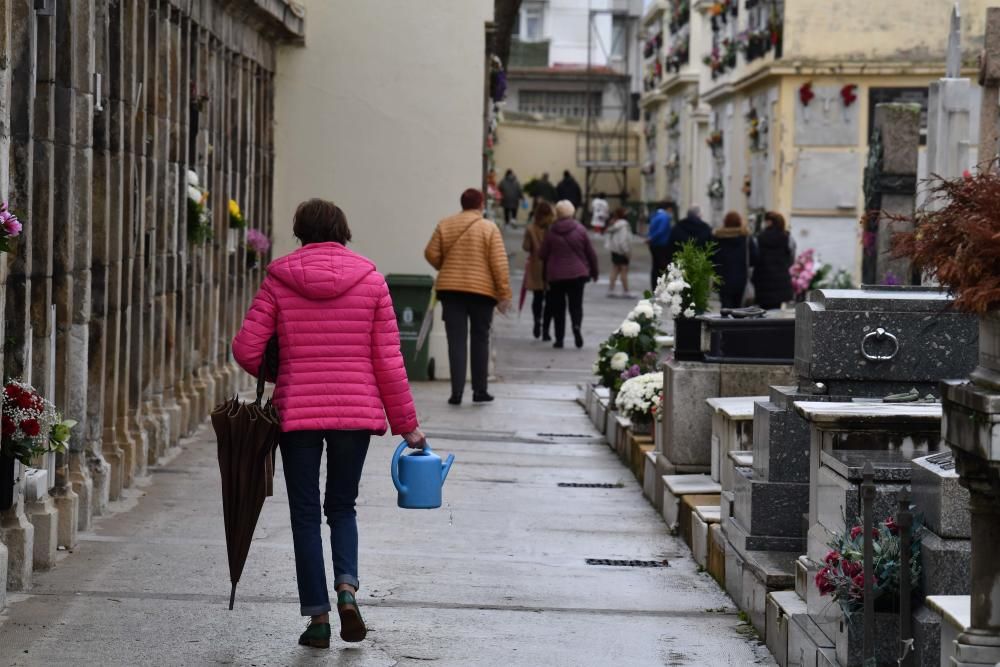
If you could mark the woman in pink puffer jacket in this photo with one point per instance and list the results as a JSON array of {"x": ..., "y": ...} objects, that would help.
[{"x": 340, "y": 375}]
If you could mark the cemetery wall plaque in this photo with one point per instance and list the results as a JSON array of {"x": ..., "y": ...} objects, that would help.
[
  {"x": 827, "y": 120},
  {"x": 827, "y": 181}
]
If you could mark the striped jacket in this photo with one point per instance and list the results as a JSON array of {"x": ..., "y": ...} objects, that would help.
[{"x": 468, "y": 252}]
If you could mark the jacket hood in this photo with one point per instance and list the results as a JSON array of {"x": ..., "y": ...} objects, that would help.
[
  {"x": 772, "y": 238},
  {"x": 321, "y": 270},
  {"x": 564, "y": 226},
  {"x": 730, "y": 232}
]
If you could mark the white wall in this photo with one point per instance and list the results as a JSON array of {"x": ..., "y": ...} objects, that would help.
[{"x": 382, "y": 112}]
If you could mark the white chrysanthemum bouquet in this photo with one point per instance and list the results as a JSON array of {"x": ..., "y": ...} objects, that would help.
[
  {"x": 641, "y": 398},
  {"x": 632, "y": 349}
]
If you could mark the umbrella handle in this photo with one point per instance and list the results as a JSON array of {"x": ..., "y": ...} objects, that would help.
[{"x": 232, "y": 598}]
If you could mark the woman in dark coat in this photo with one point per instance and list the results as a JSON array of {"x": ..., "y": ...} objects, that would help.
[
  {"x": 736, "y": 251},
  {"x": 771, "y": 279}
]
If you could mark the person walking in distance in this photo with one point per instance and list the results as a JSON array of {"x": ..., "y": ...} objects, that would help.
[
  {"x": 569, "y": 262},
  {"x": 340, "y": 374},
  {"x": 771, "y": 280},
  {"x": 618, "y": 240},
  {"x": 569, "y": 190},
  {"x": 511, "y": 196},
  {"x": 658, "y": 238},
  {"x": 473, "y": 279},
  {"x": 599, "y": 213},
  {"x": 691, "y": 228},
  {"x": 736, "y": 251},
  {"x": 534, "y": 277}
]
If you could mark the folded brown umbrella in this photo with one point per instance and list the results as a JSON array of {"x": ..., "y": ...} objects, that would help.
[{"x": 248, "y": 435}]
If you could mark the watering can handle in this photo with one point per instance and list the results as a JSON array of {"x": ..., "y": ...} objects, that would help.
[{"x": 395, "y": 467}]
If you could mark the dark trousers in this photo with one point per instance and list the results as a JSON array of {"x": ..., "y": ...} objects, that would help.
[
  {"x": 661, "y": 260},
  {"x": 301, "y": 453},
  {"x": 509, "y": 214},
  {"x": 541, "y": 308},
  {"x": 732, "y": 298},
  {"x": 561, "y": 294},
  {"x": 461, "y": 312}
]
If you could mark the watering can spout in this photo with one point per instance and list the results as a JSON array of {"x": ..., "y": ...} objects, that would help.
[{"x": 446, "y": 466}]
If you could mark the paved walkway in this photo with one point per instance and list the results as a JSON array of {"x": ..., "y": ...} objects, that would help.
[{"x": 496, "y": 577}]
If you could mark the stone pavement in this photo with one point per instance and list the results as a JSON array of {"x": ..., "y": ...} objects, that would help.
[{"x": 496, "y": 577}]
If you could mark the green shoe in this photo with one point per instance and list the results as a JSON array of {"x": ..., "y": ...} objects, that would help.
[
  {"x": 352, "y": 626},
  {"x": 316, "y": 635}
]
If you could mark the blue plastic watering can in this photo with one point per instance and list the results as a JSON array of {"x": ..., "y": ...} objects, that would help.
[{"x": 418, "y": 477}]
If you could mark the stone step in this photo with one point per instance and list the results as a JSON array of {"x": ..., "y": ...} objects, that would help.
[
  {"x": 717, "y": 554},
  {"x": 688, "y": 505},
  {"x": 676, "y": 487},
  {"x": 781, "y": 607},
  {"x": 806, "y": 643},
  {"x": 649, "y": 477}
]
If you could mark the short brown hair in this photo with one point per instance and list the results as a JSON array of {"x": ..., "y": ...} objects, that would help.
[
  {"x": 545, "y": 215},
  {"x": 472, "y": 200},
  {"x": 777, "y": 220},
  {"x": 320, "y": 221},
  {"x": 732, "y": 219}
]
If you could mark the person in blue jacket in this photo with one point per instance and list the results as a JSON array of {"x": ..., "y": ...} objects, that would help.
[{"x": 658, "y": 238}]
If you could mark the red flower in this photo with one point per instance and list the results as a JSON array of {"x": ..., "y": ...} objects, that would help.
[
  {"x": 30, "y": 427},
  {"x": 851, "y": 568},
  {"x": 832, "y": 558},
  {"x": 8, "y": 426},
  {"x": 891, "y": 526},
  {"x": 25, "y": 401},
  {"x": 848, "y": 95},
  {"x": 823, "y": 582},
  {"x": 13, "y": 391},
  {"x": 967, "y": 175},
  {"x": 806, "y": 93},
  {"x": 856, "y": 532}
]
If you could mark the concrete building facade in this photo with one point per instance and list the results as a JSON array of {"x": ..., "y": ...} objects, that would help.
[
  {"x": 113, "y": 308},
  {"x": 754, "y": 105}
]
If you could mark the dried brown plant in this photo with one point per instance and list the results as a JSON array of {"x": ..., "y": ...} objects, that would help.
[{"x": 956, "y": 238}]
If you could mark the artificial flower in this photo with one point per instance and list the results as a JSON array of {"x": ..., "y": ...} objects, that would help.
[
  {"x": 630, "y": 329},
  {"x": 619, "y": 361}
]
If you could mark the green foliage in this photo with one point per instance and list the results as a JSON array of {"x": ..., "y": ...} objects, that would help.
[
  {"x": 696, "y": 262},
  {"x": 199, "y": 223}
]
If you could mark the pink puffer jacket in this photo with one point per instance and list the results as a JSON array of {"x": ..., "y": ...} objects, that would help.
[{"x": 340, "y": 363}]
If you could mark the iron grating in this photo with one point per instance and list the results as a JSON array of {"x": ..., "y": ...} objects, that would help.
[
  {"x": 590, "y": 485},
  {"x": 614, "y": 562}
]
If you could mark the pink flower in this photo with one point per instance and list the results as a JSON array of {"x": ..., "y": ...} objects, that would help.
[{"x": 11, "y": 225}]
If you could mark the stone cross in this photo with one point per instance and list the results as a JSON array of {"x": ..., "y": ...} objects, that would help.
[
  {"x": 952, "y": 115},
  {"x": 890, "y": 188},
  {"x": 953, "y": 66},
  {"x": 989, "y": 80}
]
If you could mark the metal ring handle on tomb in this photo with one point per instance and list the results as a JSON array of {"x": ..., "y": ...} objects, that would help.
[{"x": 880, "y": 334}]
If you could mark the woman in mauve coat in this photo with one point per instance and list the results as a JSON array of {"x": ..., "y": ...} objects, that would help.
[
  {"x": 570, "y": 261},
  {"x": 340, "y": 375}
]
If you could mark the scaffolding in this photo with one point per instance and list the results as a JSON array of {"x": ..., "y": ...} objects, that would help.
[{"x": 606, "y": 146}]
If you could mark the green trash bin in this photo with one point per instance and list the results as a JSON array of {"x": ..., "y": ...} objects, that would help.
[{"x": 411, "y": 298}]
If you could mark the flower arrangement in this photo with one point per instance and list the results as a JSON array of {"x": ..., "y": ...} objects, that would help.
[
  {"x": 680, "y": 16},
  {"x": 10, "y": 227},
  {"x": 849, "y": 94},
  {"x": 30, "y": 424},
  {"x": 842, "y": 575},
  {"x": 198, "y": 214},
  {"x": 632, "y": 348},
  {"x": 806, "y": 93},
  {"x": 257, "y": 246},
  {"x": 648, "y": 169},
  {"x": 809, "y": 273},
  {"x": 714, "y": 140},
  {"x": 679, "y": 54},
  {"x": 236, "y": 219},
  {"x": 688, "y": 283},
  {"x": 722, "y": 57},
  {"x": 955, "y": 239},
  {"x": 673, "y": 162},
  {"x": 716, "y": 189},
  {"x": 641, "y": 397},
  {"x": 673, "y": 120}
]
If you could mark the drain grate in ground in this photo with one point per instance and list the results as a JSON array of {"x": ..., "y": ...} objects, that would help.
[
  {"x": 566, "y": 435},
  {"x": 590, "y": 485},
  {"x": 614, "y": 562}
]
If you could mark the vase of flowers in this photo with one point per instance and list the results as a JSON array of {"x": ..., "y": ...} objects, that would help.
[
  {"x": 199, "y": 217},
  {"x": 685, "y": 290},
  {"x": 257, "y": 246},
  {"x": 31, "y": 426},
  {"x": 631, "y": 349},
  {"x": 10, "y": 227},
  {"x": 640, "y": 399}
]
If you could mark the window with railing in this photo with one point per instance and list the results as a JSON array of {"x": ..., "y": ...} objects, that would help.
[{"x": 564, "y": 104}]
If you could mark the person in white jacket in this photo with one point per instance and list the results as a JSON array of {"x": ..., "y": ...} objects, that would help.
[{"x": 618, "y": 240}]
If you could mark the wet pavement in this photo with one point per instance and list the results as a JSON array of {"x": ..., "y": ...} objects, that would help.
[{"x": 498, "y": 576}]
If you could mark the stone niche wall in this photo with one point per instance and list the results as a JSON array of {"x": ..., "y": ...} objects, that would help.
[{"x": 110, "y": 309}]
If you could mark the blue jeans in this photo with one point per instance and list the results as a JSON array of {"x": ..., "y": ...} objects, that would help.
[{"x": 301, "y": 452}]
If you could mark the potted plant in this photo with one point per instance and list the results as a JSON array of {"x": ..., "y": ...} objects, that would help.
[
  {"x": 842, "y": 577},
  {"x": 31, "y": 427},
  {"x": 640, "y": 399},
  {"x": 685, "y": 290}
]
